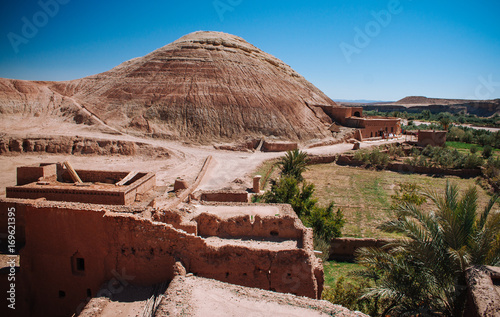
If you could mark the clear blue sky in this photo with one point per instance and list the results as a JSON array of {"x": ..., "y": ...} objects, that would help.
[{"x": 448, "y": 49}]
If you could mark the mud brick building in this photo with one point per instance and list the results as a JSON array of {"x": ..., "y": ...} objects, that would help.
[{"x": 77, "y": 238}]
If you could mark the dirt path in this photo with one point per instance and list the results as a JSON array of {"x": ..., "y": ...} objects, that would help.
[{"x": 185, "y": 161}]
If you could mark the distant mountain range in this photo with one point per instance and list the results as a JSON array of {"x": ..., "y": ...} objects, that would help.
[
  {"x": 360, "y": 101},
  {"x": 483, "y": 108}
]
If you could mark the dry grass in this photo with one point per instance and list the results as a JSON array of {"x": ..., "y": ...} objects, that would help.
[{"x": 365, "y": 195}]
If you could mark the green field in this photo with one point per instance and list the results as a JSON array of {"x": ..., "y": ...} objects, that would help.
[
  {"x": 364, "y": 195},
  {"x": 465, "y": 147},
  {"x": 334, "y": 270}
]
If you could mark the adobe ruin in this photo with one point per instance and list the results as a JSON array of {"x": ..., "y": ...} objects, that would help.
[
  {"x": 369, "y": 127},
  {"x": 78, "y": 239},
  {"x": 54, "y": 182},
  {"x": 431, "y": 137}
]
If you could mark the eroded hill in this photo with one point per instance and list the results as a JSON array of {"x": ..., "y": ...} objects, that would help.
[{"x": 203, "y": 87}]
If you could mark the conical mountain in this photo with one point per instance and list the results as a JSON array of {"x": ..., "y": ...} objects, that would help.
[{"x": 205, "y": 86}]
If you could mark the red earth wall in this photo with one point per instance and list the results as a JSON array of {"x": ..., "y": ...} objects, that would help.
[
  {"x": 144, "y": 252},
  {"x": 225, "y": 196}
]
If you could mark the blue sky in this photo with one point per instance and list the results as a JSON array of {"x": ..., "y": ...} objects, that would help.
[{"x": 352, "y": 49}]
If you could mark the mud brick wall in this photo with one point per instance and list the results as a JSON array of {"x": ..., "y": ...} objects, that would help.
[
  {"x": 285, "y": 227},
  {"x": 89, "y": 176},
  {"x": 278, "y": 146},
  {"x": 145, "y": 252},
  {"x": 69, "y": 195},
  {"x": 174, "y": 218},
  {"x": 321, "y": 159},
  {"x": 225, "y": 196},
  {"x": 433, "y": 138},
  {"x": 140, "y": 186},
  {"x": 344, "y": 249},
  {"x": 77, "y": 146},
  {"x": 372, "y": 127},
  {"x": 482, "y": 299},
  {"x": 30, "y": 174}
]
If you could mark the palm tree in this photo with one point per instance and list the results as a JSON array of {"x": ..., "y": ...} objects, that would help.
[
  {"x": 445, "y": 122},
  {"x": 293, "y": 164},
  {"x": 424, "y": 273}
]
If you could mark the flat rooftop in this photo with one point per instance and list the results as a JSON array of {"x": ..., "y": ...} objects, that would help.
[
  {"x": 197, "y": 296},
  {"x": 224, "y": 211}
]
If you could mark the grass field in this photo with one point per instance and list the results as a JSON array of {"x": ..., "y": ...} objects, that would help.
[
  {"x": 465, "y": 148},
  {"x": 365, "y": 195},
  {"x": 334, "y": 270}
]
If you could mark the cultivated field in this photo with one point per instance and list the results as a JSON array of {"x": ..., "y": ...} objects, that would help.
[{"x": 365, "y": 195}]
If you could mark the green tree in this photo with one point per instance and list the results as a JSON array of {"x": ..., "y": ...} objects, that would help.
[
  {"x": 426, "y": 114},
  {"x": 424, "y": 274},
  {"x": 292, "y": 189},
  {"x": 293, "y": 164},
  {"x": 287, "y": 190},
  {"x": 487, "y": 151},
  {"x": 445, "y": 123},
  {"x": 326, "y": 223}
]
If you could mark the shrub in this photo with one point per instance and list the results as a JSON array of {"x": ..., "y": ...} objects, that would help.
[
  {"x": 472, "y": 161},
  {"x": 349, "y": 295},
  {"x": 395, "y": 151},
  {"x": 455, "y": 134},
  {"x": 288, "y": 191},
  {"x": 325, "y": 223},
  {"x": 487, "y": 151},
  {"x": 409, "y": 193},
  {"x": 322, "y": 246},
  {"x": 373, "y": 157},
  {"x": 473, "y": 149},
  {"x": 485, "y": 139},
  {"x": 468, "y": 137}
]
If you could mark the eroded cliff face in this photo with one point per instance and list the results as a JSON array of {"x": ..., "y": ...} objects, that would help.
[{"x": 205, "y": 86}]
